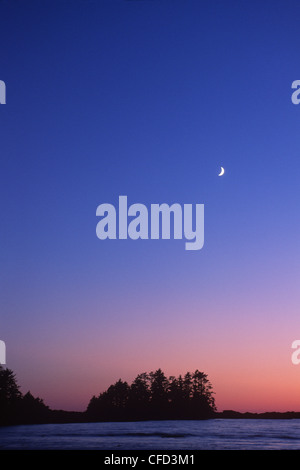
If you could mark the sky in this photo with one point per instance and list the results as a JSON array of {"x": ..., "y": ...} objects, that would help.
[{"x": 149, "y": 98}]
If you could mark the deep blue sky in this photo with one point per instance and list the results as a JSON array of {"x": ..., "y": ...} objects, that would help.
[{"x": 147, "y": 99}]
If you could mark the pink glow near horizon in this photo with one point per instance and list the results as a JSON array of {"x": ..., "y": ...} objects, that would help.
[{"x": 247, "y": 357}]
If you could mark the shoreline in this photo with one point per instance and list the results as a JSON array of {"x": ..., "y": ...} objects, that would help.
[{"x": 77, "y": 417}]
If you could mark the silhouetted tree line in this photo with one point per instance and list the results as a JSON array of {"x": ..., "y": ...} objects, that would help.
[
  {"x": 154, "y": 396},
  {"x": 16, "y": 408},
  {"x": 150, "y": 396}
]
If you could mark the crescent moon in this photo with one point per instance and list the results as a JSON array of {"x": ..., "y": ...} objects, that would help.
[{"x": 221, "y": 172}]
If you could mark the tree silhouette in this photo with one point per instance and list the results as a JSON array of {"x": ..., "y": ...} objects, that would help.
[
  {"x": 10, "y": 396},
  {"x": 34, "y": 410},
  {"x": 202, "y": 398},
  {"x": 9, "y": 389},
  {"x": 16, "y": 408},
  {"x": 187, "y": 386},
  {"x": 176, "y": 395},
  {"x": 159, "y": 396},
  {"x": 154, "y": 396},
  {"x": 139, "y": 396},
  {"x": 111, "y": 404},
  {"x": 150, "y": 396}
]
